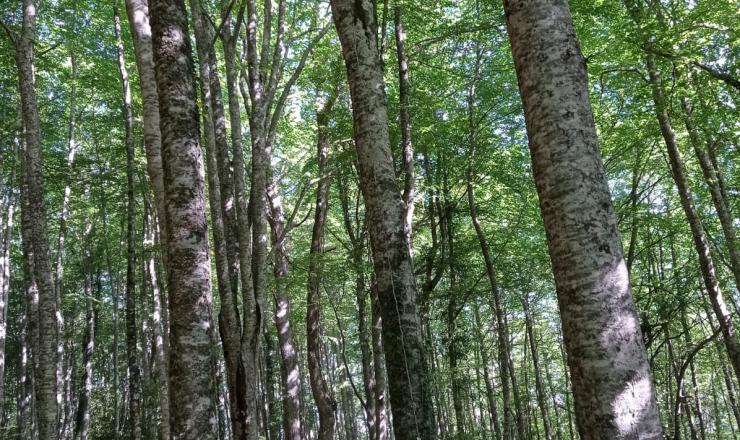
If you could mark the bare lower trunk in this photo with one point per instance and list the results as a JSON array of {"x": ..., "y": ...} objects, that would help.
[
  {"x": 600, "y": 323},
  {"x": 322, "y": 394},
  {"x": 539, "y": 384},
  {"x": 82, "y": 419},
  {"x": 134, "y": 373},
  {"x": 410, "y": 390},
  {"x": 192, "y": 386},
  {"x": 34, "y": 234},
  {"x": 701, "y": 244},
  {"x": 290, "y": 373},
  {"x": 382, "y": 424},
  {"x": 138, "y": 18}
]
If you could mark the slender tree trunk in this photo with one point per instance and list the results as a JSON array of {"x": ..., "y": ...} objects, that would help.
[
  {"x": 701, "y": 244},
  {"x": 501, "y": 330},
  {"x": 192, "y": 387},
  {"x": 7, "y": 211},
  {"x": 541, "y": 396},
  {"x": 82, "y": 418},
  {"x": 488, "y": 379},
  {"x": 591, "y": 278},
  {"x": 322, "y": 394},
  {"x": 34, "y": 234},
  {"x": 221, "y": 202},
  {"x": 134, "y": 373},
  {"x": 410, "y": 390},
  {"x": 407, "y": 148},
  {"x": 382, "y": 423},
  {"x": 289, "y": 366}
]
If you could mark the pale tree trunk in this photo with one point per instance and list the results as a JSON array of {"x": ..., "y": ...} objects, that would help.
[
  {"x": 7, "y": 211},
  {"x": 407, "y": 148},
  {"x": 614, "y": 393},
  {"x": 713, "y": 178},
  {"x": 539, "y": 384},
  {"x": 82, "y": 417},
  {"x": 138, "y": 18},
  {"x": 488, "y": 378},
  {"x": 215, "y": 140},
  {"x": 357, "y": 238},
  {"x": 325, "y": 401},
  {"x": 382, "y": 422},
  {"x": 410, "y": 390},
  {"x": 701, "y": 244},
  {"x": 501, "y": 328},
  {"x": 34, "y": 234},
  {"x": 59, "y": 258},
  {"x": 134, "y": 374},
  {"x": 264, "y": 71},
  {"x": 192, "y": 385},
  {"x": 289, "y": 365}
]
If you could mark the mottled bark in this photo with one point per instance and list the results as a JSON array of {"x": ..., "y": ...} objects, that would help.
[
  {"x": 539, "y": 384},
  {"x": 614, "y": 393},
  {"x": 322, "y": 394},
  {"x": 289, "y": 365},
  {"x": 382, "y": 422},
  {"x": 138, "y": 19},
  {"x": 221, "y": 202},
  {"x": 410, "y": 390},
  {"x": 404, "y": 113},
  {"x": 495, "y": 300},
  {"x": 7, "y": 211},
  {"x": 701, "y": 244},
  {"x": 192, "y": 386},
  {"x": 82, "y": 417},
  {"x": 713, "y": 179},
  {"x": 34, "y": 235},
  {"x": 132, "y": 352}
]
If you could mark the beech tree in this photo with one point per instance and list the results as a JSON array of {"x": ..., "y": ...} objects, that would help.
[{"x": 368, "y": 219}]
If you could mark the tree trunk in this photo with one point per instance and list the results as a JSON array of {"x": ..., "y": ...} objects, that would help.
[
  {"x": 701, "y": 244},
  {"x": 407, "y": 148},
  {"x": 289, "y": 366},
  {"x": 34, "y": 234},
  {"x": 7, "y": 211},
  {"x": 322, "y": 394},
  {"x": 82, "y": 418},
  {"x": 134, "y": 373},
  {"x": 192, "y": 387},
  {"x": 540, "y": 386},
  {"x": 221, "y": 202},
  {"x": 488, "y": 378},
  {"x": 138, "y": 18},
  {"x": 600, "y": 323},
  {"x": 410, "y": 390}
]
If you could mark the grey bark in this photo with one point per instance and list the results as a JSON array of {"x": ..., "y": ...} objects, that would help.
[
  {"x": 138, "y": 19},
  {"x": 539, "y": 384},
  {"x": 410, "y": 390},
  {"x": 34, "y": 233},
  {"x": 701, "y": 244},
  {"x": 407, "y": 148},
  {"x": 614, "y": 393},
  {"x": 325, "y": 401},
  {"x": 192, "y": 386},
  {"x": 221, "y": 202},
  {"x": 132, "y": 352}
]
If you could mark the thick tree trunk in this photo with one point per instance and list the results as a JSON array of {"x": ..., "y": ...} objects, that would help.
[
  {"x": 138, "y": 18},
  {"x": 600, "y": 323},
  {"x": 192, "y": 386},
  {"x": 410, "y": 390},
  {"x": 701, "y": 244},
  {"x": 221, "y": 202},
  {"x": 34, "y": 234},
  {"x": 134, "y": 373},
  {"x": 322, "y": 394}
]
